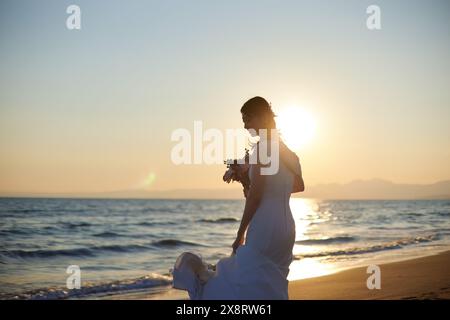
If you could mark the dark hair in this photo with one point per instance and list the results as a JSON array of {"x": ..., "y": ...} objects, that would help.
[{"x": 258, "y": 106}]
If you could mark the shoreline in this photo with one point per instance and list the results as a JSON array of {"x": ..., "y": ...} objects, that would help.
[{"x": 425, "y": 277}]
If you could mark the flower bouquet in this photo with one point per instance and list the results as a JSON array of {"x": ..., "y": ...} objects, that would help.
[{"x": 238, "y": 171}]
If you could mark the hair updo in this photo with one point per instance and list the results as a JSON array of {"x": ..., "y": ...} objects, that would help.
[{"x": 259, "y": 107}]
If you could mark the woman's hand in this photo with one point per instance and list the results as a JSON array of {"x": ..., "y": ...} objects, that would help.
[
  {"x": 237, "y": 243},
  {"x": 229, "y": 175}
]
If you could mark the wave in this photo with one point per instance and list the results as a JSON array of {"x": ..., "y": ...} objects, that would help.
[
  {"x": 220, "y": 220},
  {"x": 95, "y": 250},
  {"x": 158, "y": 210},
  {"x": 442, "y": 214},
  {"x": 152, "y": 224},
  {"x": 108, "y": 234},
  {"x": 369, "y": 249},
  {"x": 75, "y": 252},
  {"x": 393, "y": 228},
  {"x": 341, "y": 239},
  {"x": 78, "y": 252},
  {"x": 412, "y": 214},
  {"x": 24, "y": 211},
  {"x": 15, "y": 232},
  {"x": 73, "y": 225},
  {"x": 147, "y": 282},
  {"x": 41, "y": 212},
  {"x": 175, "y": 243}
]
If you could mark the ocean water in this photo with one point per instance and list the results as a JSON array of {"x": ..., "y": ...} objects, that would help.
[{"x": 125, "y": 245}]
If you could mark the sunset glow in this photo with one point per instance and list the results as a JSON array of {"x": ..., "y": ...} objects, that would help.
[{"x": 297, "y": 127}]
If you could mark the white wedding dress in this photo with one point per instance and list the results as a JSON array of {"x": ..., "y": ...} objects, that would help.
[{"x": 260, "y": 267}]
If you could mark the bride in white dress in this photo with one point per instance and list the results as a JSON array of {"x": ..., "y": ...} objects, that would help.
[{"x": 262, "y": 251}]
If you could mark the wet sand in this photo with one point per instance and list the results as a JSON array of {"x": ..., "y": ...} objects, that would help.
[{"x": 421, "y": 278}]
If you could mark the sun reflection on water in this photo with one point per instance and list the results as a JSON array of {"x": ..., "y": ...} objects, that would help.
[
  {"x": 302, "y": 210},
  {"x": 307, "y": 213}
]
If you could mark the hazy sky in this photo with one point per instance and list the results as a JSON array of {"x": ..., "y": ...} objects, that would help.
[{"x": 93, "y": 109}]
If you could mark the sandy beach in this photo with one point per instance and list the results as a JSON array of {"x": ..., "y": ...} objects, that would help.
[{"x": 422, "y": 278}]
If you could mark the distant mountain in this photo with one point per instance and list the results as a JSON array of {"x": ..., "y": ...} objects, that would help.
[
  {"x": 358, "y": 189},
  {"x": 379, "y": 189}
]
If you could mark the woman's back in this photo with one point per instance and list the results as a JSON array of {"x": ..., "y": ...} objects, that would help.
[
  {"x": 278, "y": 186},
  {"x": 272, "y": 229}
]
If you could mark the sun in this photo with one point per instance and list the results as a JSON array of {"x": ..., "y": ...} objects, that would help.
[{"x": 297, "y": 127}]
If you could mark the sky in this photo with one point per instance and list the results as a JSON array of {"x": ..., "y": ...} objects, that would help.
[{"x": 93, "y": 110}]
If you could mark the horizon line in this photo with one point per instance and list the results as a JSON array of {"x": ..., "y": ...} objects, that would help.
[{"x": 209, "y": 189}]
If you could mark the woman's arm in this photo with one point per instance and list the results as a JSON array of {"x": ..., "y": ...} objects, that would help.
[
  {"x": 251, "y": 203},
  {"x": 299, "y": 184},
  {"x": 292, "y": 161}
]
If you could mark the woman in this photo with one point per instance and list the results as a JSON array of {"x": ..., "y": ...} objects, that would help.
[{"x": 262, "y": 251}]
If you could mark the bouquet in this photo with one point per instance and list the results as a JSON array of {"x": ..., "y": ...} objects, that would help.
[{"x": 238, "y": 172}]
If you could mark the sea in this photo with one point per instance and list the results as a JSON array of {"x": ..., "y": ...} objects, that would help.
[{"x": 122, "y": 246}]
